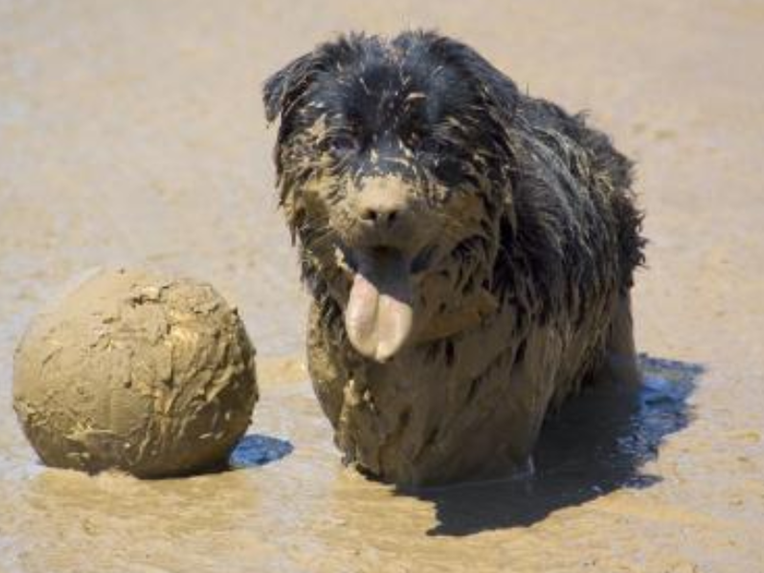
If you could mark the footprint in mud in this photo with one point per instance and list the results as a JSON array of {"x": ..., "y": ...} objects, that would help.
[{"x": 595, "y": 445}]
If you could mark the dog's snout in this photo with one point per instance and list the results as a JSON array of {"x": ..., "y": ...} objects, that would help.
[
  {"x": 383, "y": 203},
  {"x": 384, "y": 213},
  {"x": 381, "y": 214}
]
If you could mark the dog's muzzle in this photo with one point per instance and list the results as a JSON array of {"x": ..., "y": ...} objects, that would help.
[{"x": 379, "y": 313}]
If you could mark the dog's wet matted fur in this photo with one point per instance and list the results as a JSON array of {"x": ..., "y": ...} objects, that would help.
[{"x": 469, "y": 251}]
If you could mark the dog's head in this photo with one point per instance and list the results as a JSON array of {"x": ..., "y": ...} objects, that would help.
[{"x": 393, "y": 162}]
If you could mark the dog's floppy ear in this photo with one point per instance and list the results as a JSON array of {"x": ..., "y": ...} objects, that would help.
[
  {"x": 497, "y": 87},
  {"x": 285, "y": 86}
]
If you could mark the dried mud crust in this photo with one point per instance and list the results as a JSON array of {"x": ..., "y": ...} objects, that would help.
[{"x": 149, "y": 374}]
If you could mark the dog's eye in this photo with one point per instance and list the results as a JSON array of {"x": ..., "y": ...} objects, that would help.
[{"x": 341, "y": 144}]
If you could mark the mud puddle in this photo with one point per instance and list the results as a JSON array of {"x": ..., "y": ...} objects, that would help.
[{"x": 288, "y": 504}]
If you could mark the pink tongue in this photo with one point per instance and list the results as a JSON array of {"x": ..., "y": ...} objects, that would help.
[{"x": 379, "y": 316}]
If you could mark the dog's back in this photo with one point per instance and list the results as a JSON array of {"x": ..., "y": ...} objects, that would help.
[{"x": 579, "y": 228}]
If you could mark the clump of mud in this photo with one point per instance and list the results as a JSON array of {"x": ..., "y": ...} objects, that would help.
[{"x": 136, "y": 371}]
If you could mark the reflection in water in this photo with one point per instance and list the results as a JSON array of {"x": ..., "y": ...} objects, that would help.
[
  {"x": 596, "y": 444},
  {"x": 258, "y": 450}
]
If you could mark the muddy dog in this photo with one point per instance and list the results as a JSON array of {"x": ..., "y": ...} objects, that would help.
[{"x": 469, "y": 251}]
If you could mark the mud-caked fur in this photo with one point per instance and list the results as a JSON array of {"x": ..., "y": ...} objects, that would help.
[{"x": 523, "y": 238}]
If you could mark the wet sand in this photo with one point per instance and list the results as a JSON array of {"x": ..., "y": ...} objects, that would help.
[{"x": 133, "y": 133}]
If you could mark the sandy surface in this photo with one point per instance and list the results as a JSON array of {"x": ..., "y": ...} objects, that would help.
[{"x": 132, "y": 132}]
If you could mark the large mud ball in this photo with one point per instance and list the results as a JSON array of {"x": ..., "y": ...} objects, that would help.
[{"x": 136, "y": 371}]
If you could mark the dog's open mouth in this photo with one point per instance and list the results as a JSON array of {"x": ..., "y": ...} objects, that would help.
[{"x": 379, "y": 314}]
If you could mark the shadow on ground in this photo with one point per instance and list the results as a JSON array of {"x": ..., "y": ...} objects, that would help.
[
  {"x": 258, "y": 450},
  {"x": 595, "y": 445}
]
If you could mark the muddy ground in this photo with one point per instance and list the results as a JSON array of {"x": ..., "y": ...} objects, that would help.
[{"x": 132, "y": 133}]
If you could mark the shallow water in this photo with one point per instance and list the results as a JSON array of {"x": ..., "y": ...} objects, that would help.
[
  {"x": 288, "y": 502},
  {"x": 132, "y": 133}
]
